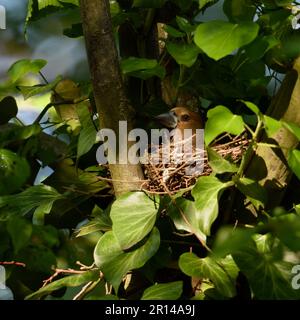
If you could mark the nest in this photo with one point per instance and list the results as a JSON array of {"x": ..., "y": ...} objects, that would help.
[{"x": 173, "y": 176}]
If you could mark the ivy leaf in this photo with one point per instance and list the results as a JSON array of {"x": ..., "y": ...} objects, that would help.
[
  {"x": 87, "y": 137},
  {"x": 203, "y": 3},
  {"x": 164, "y": 291},
  {"x": 239, "y": 10},
  {"x": 133, "y": 216},
  {"x": 251, "y": 106},
  {"x": 183, "y": 53},
  {"x": 115, "y": 263},
  {"x": 271, "y": 125},
  {"x": 212, "y": 269},
  {"x": 184, "y": 25},
  {"x": 184, "y": 216},
  {"x": 173, "y": 32},
  {"x": 219, "y": 38},
  {"x": 142, "y": 68},
  {"x": 206, "y": 193},
  {"x": 8, "y": 109},
  {"x": 35, "y": 197},
  {"x": 20, "y": 231},
  {"x": 294, "y": 161},
  {"x": 221, "y": 119},
  {"x": 22, "y": 67},
  {"x": 253, "y": 191},
  {"x": 30, "y": 91},
  {"x": 260, "y": 46},
  {"x": 229, "y": 240},
  {"x": 69, "y": 281},
  {"x": 14, "y": 171},
  {"x": 292, "y": 127},
  {"x": 269, "y": 278},
  {"x": 218, "y": 163}
]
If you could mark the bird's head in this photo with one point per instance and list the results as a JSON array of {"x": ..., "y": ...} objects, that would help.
[{"x": 181, "y": 118}]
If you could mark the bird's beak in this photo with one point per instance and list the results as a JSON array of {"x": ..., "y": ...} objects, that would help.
[{"x": 167, "y": 119}]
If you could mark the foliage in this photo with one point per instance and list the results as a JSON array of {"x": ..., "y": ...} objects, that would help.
[{"x": 73, "y": 215}]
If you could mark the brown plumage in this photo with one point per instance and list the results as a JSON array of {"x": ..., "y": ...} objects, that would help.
[{"x": 181, "y": 118}]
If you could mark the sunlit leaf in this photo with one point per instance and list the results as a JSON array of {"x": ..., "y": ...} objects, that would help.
[
  {"x": 68, "y": 281},
  {"x": 221, "y": 119},
  {"x": 294, "y": 161},
  {"x": 184, "y": 216},
  {"x": 218, "y": 163},
  {"x": 184, "y": 54},
  {"x": 164, "y": 291},
  {"x": 133, "y": 216},
  {"x": 115, "y": 263},
  {"x": 206, "y": 193},
  {"x": 219, "y": 38},
  {"x": 210, "y": 268},
  {"x": 253, "y": 191},
  {"x": 22, "y": 67}
]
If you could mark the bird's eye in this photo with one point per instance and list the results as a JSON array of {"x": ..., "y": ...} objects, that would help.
[{"x": 185, "y": 117}]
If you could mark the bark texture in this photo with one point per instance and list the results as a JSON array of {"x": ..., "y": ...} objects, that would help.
[
  {"x": 111, "y": 101},
  {"x": 269, "y": 165}
]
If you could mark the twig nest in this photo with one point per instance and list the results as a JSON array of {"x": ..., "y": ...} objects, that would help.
[{"x": 169, "y": 169}]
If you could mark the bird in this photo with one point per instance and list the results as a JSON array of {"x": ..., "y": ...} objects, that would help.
[
  {"x": 181, "y": 118},
  {"x": 186, "y": 146}
]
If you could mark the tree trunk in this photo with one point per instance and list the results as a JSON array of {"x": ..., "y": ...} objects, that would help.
[
  {"x": 269, "y": 165},
  {"x": 111, "y": 101}
]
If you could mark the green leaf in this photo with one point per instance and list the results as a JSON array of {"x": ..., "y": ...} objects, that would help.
[
  {"x": 100, "y": 222},
  {"x": 239, "y": 10},
  {"x": 133, "y": 215},
  {"x": 253, "y": 191},
  {"x": 212, "y": 269},
  {"x": 203, "y": 3},
  {"x": 142, "y": 68},
  {"x": 115, "y": 263},
  {"x": 269, "y": 278},
  {"x": 87, "y": 137},
  {"x": 294, "y": 161},
  {"x": 148, "y": 3},
  {"x": 219, "y": 38},
  {"x": 30, "y": 91},
  {"x": 251, "y": 106},
  {"x": 164, "y": 291},
  {"x": 14, "y": 171},
  {"x": 184, "y": 216},
  {"x": 173, "y": 32},
  {"x": 34, "y": 197},
  {"x": 292, "y": 127},
  {"x": 134, "y": 64},
  {"x": 260, "y": 46},
  {"x": 230, "y": 240},
  {"x": 184, "y": 25},
  {"x": 46, "y": 3},
  {"x": 22, "y": 67},
  {"x": 271, "y": 125},
  {"x": 206, "y": 193},
  {"x": 183, "y": 53},
  {"x": 8, "y": 109},
  {"x": 14, "y": 133},
  {"x": 75, "y": 31},
  {"x": 221, "y": 119},
  {"x": 20, "y": 231},
  {"x": 218, "y": 163},
  {"x": 69, "y": 281}
]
